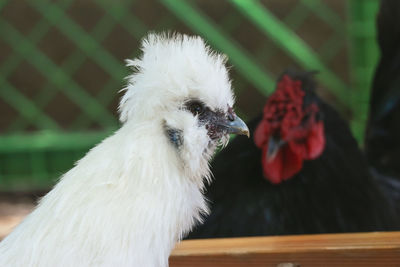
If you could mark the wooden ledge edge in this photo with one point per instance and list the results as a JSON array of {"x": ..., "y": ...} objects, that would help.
[{"x": 287, "y": 244}]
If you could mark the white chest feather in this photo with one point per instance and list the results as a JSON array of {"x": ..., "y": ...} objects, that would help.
[{"x": 124, "y": 204}]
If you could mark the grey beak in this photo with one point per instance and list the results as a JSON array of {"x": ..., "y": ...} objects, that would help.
[
  {"x": 237, "y": 126},
  {"x": 274, "y": 144}
]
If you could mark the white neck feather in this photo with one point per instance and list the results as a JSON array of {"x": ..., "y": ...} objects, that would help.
[{"x": 126, "y": 203}]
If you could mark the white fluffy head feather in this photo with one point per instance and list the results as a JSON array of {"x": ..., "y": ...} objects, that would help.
[
  {"x": 172, "y": 70},
  {"x": 185, "y": 68}
]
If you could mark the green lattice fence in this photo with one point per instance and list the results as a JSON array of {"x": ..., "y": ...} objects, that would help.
[{"x": 61, "y": 65}]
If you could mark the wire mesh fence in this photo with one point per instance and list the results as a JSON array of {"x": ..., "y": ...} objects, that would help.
[{"x": 62, "y": 65}]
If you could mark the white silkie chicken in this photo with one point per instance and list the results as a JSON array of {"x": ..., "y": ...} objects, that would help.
[{"x": 133, "y": 196}]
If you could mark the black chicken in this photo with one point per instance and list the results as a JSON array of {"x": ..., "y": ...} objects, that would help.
[
  {"x": 383, "y": 131},
  {"x": 302, "y": 173}
]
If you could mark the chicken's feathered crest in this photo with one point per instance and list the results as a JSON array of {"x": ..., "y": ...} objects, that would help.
[{"x": 185, "y": 67}]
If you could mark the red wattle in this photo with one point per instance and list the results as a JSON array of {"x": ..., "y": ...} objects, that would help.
[
  {"x": 285, "y": 164},
  {"x": 316, "y": 141}
]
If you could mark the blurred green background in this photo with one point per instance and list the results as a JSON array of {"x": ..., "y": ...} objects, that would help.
[{"x": 62, "y": 65}]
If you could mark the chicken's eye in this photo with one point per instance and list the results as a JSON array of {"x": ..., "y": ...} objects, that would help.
[{"x": 195, "y": 107}]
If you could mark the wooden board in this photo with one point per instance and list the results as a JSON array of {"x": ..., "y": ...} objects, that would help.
[
  {"x": 328, "y": 250},
  {"x": 361, "y": 249}
]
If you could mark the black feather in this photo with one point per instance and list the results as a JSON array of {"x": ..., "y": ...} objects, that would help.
[
  {"x": 383, "y": 131},
  {"x": 333, "y": 193}
]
